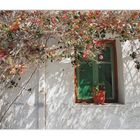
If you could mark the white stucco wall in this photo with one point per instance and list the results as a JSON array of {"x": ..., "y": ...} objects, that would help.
[{"x": 55, "y": 83}]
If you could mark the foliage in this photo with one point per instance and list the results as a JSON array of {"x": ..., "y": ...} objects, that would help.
[{"x": 24, "y": 35}]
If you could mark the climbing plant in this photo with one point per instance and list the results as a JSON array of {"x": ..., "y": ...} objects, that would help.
[{"x": 24, "y": 36}]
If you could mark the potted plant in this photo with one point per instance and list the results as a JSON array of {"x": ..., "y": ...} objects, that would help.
[{"x": 99, "y": 94}]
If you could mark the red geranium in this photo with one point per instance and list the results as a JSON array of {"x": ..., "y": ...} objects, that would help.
[{"x": 99, "y": 98}]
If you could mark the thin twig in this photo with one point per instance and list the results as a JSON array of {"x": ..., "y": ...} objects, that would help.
[{"x": 17, "y": 95}]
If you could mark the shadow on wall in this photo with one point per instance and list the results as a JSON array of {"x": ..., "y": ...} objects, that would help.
[
  {"x": 30, "y": 109},
  {"x": 131, "y": 74},
  {"x": 55, "y": 83},
  {"x": 24, "y": 112},
  {"x": 63, "y": 113}
]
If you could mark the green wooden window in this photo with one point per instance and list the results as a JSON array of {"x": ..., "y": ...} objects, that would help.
[{"x": 90, "y": 73}]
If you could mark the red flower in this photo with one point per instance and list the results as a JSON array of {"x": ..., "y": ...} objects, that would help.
[
  {"x": 85, "y": 55},
  {"x": 89, "y": 47},
  {"x": 3, "y": 54},
  {"x": 53, "y": 20},
  {"x": 100, "y": 42},
  {"x": 14, "y": 27},
  {"x": 64, "y": 16},
  {"x": 76, "y": 27},
  {"x": 90, "y": 14},
  {"x": 98, "y": 13},
  {"x": 100, "y": 97}
]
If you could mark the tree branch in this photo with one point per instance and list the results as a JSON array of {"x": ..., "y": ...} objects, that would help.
[{"x": 20, "y": 93}]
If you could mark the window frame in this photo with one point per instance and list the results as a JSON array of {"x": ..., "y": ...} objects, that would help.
[{"x": 115, "y": 68}]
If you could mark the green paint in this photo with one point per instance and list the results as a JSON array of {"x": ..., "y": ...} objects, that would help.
[{"x": 91, "y": 74}]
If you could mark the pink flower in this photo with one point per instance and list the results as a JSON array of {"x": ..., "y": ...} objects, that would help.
[
  {"x": 85, "y": 55},
  {"x": 53, "y": 20},
  {"x": 89, "y": 47},
  {"x": 101, "y": 57},
  {"x": 36, "y": 21}
]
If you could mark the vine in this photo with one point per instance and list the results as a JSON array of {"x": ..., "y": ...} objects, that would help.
[{"x": 24, "y": 36}]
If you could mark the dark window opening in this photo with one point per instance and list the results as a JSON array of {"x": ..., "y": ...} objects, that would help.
[{"x": 90, "y": 73}]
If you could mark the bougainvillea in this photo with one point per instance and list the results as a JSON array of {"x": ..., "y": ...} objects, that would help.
[{"x": 24, "y": 35}]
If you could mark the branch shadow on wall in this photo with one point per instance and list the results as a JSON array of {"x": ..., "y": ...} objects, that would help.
[{"x": 24, "y": 112}]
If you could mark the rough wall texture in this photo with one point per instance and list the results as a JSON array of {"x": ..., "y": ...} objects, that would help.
[{"x": 51, "y": 103}]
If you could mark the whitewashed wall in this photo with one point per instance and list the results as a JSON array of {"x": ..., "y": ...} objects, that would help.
[{"x": 55, "y": 83}]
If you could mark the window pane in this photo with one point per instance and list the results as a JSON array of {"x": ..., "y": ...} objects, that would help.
[
  {"x": 85, "y": 81},
  {"x": 91, "y": 74},
  {"x": 106, "y": 55},
  {"x": 105, "y": 76}
]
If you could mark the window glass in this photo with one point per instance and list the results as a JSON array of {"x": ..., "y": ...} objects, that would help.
[{"x": 91, "y": 73}]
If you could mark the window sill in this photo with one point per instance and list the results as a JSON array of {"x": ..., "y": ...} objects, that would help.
[{"x": 101, "y": 105}]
